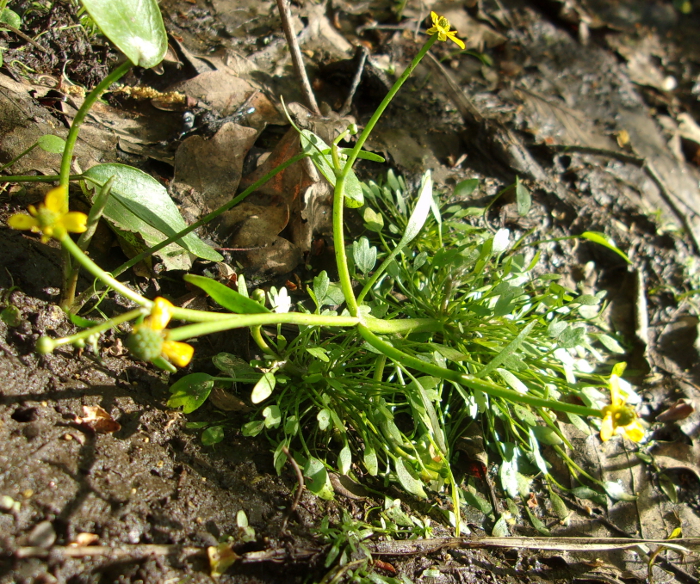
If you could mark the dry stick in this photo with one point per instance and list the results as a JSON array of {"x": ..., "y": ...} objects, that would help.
[
  {"x": 140, "y": 551},
  {"x": 29, "y": 39},
  {"x": 297, "y": 60},
  {"x": 300, "y": 488},
  {"x": 648, "y": 167},
  {"x": 345, "y": 110}
]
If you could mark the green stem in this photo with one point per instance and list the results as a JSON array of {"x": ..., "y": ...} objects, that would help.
[
  {"x": 93, "y": 96},
  {"x": 100, "y": 274},
  {"x": 103, "y": 326},
  {"x": 469, "y": 380},
  {"x": 219, "y": 323},
  {"x": 256, "y": 333},
  {"x": 20, "y": 155},
  {"x": 339, "y": 193},
  {"x": 385, "y": 102},
  {"x": 34, "y": 178},
  {"x": 341, "y": 258}
]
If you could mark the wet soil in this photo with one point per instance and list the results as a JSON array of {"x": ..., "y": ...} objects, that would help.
[{"x": 152, "y": 489}]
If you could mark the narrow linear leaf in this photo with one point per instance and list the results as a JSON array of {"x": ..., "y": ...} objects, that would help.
[
  {"x": 602, "y": 239},
  {"x": 509, "y": 349},
  {"x": 225, "y": 296}
]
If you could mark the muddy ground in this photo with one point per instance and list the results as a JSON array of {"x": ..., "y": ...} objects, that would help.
[{"x": 570, "y": 94}]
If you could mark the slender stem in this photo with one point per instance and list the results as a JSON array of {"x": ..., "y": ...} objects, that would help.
[
  {"x": 103, "y": 326},
  {"x": 339, "y": 193},
  {"x": 385, "y": 102},
  {"x": 20, "y": 155},
  {"x": 469, "y": 380},
  {"x": 341, "y": 258},
  {"x": 219, "y": 323},
  {"x": 378, "y": 272},
  {"x": 72, "y": 138},
  {"x": 256, "y": 333},
  {"x": 35, "y": 178},
  {"x": 100, "y": 274}
]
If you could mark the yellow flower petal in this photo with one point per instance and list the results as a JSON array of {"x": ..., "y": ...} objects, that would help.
[
  {"x": 634, "y": 431},
  {"x": 455, "y": 40},
  {"x": 75, "y": 222},
  {"x": 22, "y": 222},
  {"x": 607, "y": 428},
  {"x": 160, "y": 314},
  {"x": 179, "y": 354},
  {"x": 55, "y": 199}
]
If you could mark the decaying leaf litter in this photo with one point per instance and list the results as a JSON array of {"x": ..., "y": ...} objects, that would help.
[{"x": 547, "y": 100}]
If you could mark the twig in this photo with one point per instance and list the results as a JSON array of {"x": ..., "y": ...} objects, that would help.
[
  {"x": 355, "y": 83},
  {"x": 300, "y": 487},
  {"x": 139, "y": 551},
  {"x": 297, "y": 60},
  {"x": 570, "y": 544},
  {"x": 29, "y": 39}
]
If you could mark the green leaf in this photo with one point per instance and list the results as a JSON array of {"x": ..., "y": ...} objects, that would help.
[
  {"x": 253, "y": 428},
  {"x": 365, "y": 155},
  {"x": 273, "y": 416},
  {"x": 537, "y": 523},
  {"x": 617, "y": 491},
  {"x": 190, "y": 392},
  {"x": 465, "y": 188},
  {"x": 602, "y": 239},
  {"x": 10, "y": 17},
  {"x": 590, "y": 494},
  {"x": 370, "y": 460},
  {"x": 420, "y": 211},
  {"x": 320, "y": 287},
  {"x": 80, "y": 321},
  {"x": 134, "y": 26},
  {"x": 509, "y": 349},
  {"x": 225, "y": 296},
  {"x": 365, "y": 256},
  {"x": 237, "y": 368},
  {"x": 344, "y": 460},
  {"x": 408, "y": 481},
  {"x": 500, "y": 529},
  {"x": 51, "y": 143},
  {"x": 212, "y": 435},
  {"x": 139, "y": 203},
  {"x": 319, "y": 482},
  {"x": 319, "y": 353},
  {"x": 523, "y": 199},
  {"x": 324, "y": 419},
  {"x": 320, "y": 155},
  {"x": 373, "y": 221},
  {"x": 263, "y": 388}
]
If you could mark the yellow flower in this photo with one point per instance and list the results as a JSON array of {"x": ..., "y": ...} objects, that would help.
[
  {"x": 149, "y": 340},
  {"x": 441, "y": 27},
  {"x": 618, "y": 417},
  {"x": 49, "y": 219}
]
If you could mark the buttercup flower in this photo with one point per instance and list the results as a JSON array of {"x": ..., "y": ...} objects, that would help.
[
  {"x": 441, "y": 27},
  {"x": 618, "y": 417},
  {"x": 149, "y": 340},
  {"x": 48, "y": 219}
]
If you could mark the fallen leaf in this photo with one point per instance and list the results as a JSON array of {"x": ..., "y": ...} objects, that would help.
[{"x": 98, "y": 420}]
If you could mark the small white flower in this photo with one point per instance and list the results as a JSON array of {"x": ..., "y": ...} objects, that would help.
[{"x": 280, "y": 301}]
